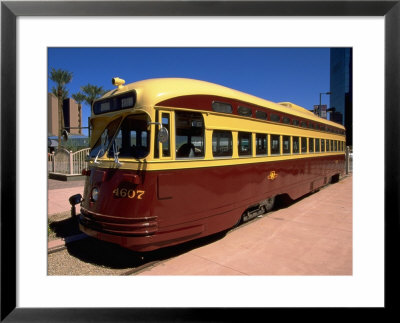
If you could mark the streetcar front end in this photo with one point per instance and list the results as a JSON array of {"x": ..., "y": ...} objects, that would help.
[{"x": 117, "y": 199}]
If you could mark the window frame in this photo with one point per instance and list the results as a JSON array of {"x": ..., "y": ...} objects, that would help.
[
  {"x": 215, "y": 103},
  {"x": 199, "y": 114},
  {"x": 127, "y": 148},
  {"x": 250, "y": 134},
  {"x": 286, "y": 120},
  {"x": 258, "y": 135},
  {"x": 171, "y": 142},
  {"x": 317, "y": 146},
  {"x": 279, "y": 144},
  {"x": 241, "y": 108},
  {"x": 303, "y": 148},
  {"x": 257, "y": 116},
  {"x": 218, "y": 131},
  {"x": 288, "y": 139},
  {"x": 275, "y": 116},
  {"x": 298, "y": 145},
  {"x": 311, "y": 148}
]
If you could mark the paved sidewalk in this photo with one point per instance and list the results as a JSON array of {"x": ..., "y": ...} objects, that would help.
[
  {"x": 311, "y": 237},
  {"x": 59, "y": 193}
]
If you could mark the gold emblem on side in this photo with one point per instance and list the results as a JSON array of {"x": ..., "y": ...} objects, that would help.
[{"x": 272, "y": 175}]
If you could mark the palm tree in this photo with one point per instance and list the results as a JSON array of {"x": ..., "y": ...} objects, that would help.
[
  {"x": 92, "y": 92},
  {"x": 79, "y": 98},
  {"x": 61, "y": 78}
]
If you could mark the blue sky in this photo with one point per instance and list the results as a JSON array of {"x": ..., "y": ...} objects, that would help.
[{"x": 297, "y": 75}]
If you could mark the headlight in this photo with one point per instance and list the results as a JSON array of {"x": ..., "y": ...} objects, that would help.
[{"x": 95, "y": 194}]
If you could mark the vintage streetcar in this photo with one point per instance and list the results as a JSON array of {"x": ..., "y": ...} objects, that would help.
[{"x": 173, "y": 160}]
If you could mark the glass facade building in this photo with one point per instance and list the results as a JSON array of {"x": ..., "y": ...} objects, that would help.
[{"x": 341, "y": 88}]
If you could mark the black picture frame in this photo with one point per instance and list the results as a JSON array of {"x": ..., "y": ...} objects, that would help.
[{"x": 10, "y": 10}]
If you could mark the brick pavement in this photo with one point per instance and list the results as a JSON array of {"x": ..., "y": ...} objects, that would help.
[
  {"x": 311, "y": 237},
  {"x": 59, "y": 193}
]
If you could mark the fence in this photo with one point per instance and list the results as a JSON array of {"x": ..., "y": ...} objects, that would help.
[{"x": 67, "y": 162}]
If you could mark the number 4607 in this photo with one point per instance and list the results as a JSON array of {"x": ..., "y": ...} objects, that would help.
[{"x": 124, "y": 192}]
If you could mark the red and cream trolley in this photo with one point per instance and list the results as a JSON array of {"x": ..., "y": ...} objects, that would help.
[{"x": 177, "y": 159}]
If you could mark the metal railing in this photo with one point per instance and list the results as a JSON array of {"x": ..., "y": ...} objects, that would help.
[
  {"x": 67, "y": 162},
  {"x": 349, "y": 161}
]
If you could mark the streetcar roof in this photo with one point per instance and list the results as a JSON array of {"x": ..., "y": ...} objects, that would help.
[{"x": 152, "y": 91}]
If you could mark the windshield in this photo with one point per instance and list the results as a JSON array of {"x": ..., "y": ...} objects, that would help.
[
  {"x": 133, "y": 138},
  {"x": 103, "y": 142}
]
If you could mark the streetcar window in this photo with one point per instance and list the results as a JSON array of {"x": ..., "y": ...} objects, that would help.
[
  {"x": 261, "y": 144},
  {"x": 286, "y": 120},
  {"x": 296, "y": 122},
  {"x": 156, "y": 149},
  {"x": 303, "y": 145},
  {"x": 166, "y": 149},
  {"x": 317, "y": 145},
  {"x": 310, "y": 145},
  {"x": 296, "y": 145},
  {"x": 334, "y": 145},
  {"x": 331, "y": 145},
  {"x": 261, "y": 115},
  {"x": 244, "y": 111},
  {"x": 133, "y": 138},
  {"x": 222, "y": 143},
  {"x": 101, "y": 145},
  {"x": 120, "y": 102},
  {"x": 275, "y": 117},
  {"x": 275, "y": 145},
  {"x": 323, "y": 145},
  {"x": 244, "y": 143},
  {"x": 327, "y": 145},
  {"x": 189, "y": 134},
  {"x": 286, "y": 144},
  {"x": 303, "y": 124},
  {"x": 222, "y": 107}
]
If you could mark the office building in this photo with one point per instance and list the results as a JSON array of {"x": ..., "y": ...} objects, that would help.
[
  {"x": 72, "y": 116},
  {"x": 341, "y": 88}
]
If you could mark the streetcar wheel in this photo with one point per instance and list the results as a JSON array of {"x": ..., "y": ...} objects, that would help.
[
  {"x": 335, "y": 179},
  {"x": 269, "y": 204}
]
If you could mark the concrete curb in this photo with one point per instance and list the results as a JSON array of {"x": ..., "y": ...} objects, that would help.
[{"x": 66, "y": 177}]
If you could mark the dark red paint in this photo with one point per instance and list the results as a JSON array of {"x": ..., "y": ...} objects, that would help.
[{"x": 180, "y": 205}]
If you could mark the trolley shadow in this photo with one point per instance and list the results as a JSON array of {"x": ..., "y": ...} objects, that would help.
[
  {"x": 65, "y": 228},
  {"x": 112, "y": 256},
  {"x": 104, "y": 254}
]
